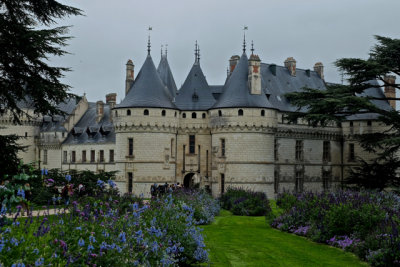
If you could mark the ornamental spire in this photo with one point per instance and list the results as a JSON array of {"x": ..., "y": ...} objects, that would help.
[
  {"x": 245, "y": 28},
  {"x": 148, "y": 41}
]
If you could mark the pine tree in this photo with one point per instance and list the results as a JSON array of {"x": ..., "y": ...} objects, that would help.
[{"x": 340, "y": 101}]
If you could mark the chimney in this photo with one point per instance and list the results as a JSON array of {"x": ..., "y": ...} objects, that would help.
[
  {"x": 99, "y": 110},
  {"x": 390, "y": 90},
  {"x": 319, "y": 68},
  {"x": 129, "y": 76},
  {"x": 254, "y": 75},
  {"x": 111, "y": 99},
  {"x": 233, "y": 62},
  {"x": 290, "y": 64}
]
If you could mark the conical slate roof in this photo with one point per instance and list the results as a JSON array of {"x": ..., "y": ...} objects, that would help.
[
  {"x": 166, "y": 75},
  {"x": 195, "y": 94},
  {"x": 148, "y": 90},
  {"x": 236, "y": 91}
]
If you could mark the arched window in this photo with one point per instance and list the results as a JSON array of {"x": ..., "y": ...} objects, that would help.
[
  {"x": 184, "y": 115},
  {"x": 240, "y": 112},
  {"x": 175, "y": 114},
  {"x": 146, "y": 112},
  {"x": 203, "y": 115},
  {"x": 219, "y": 113},
  {"x": 194, "y": 115},
  {"x": 163, "y": 113},
  {"x": 263, "y": 113},
  {"x": 128, "y": 112},
  {"x": 116, "y": 113}
]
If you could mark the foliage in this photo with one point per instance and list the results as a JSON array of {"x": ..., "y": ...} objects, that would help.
[
  {"x": 9, "y": 160},
  {"x": 365, "y": 223},
  {"x": 249, "y": 241},
  {"x": 339, "y": 101},
  {"x": 245, "y": 202},
  {"x": 100, "y": 233},
  {"x": 27, "y": 41}
]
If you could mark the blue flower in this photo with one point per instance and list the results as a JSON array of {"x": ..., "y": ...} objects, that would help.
[
  {"x": 81, "y": 242},
  {"x": 92, "y": 239},
  {"x": 39, "y": 262},
  {"x": 78, "y": 228},
  {"x": 100, "y": 183},
  {"x": 68, "y": 178},
  {"x": 111, "y": 183},
  {"x": 21, "y": 193},
  {"x": 36, "y": 251},
  {"x": 90, "y": 247},
  {"x": 122, "y": 237}
]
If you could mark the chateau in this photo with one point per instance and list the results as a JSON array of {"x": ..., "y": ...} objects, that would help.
[{"x": 216, "y": 136}]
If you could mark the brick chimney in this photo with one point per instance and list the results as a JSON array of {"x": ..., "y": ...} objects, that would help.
[
  {"x": 290, "y": 64},
  {"x": 99, "y": 110},
  {"x": 233, "y": 62},
  {"x": 319, "y": 68},
  {"x": 390, "y": 90},
  {"x": 129, "y": 76},
  {"x": 111, "y": 99},
  {"x": 254, "y": 75}
]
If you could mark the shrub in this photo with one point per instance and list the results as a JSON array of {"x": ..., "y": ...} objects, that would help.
[{"x": 245, "y": 202}]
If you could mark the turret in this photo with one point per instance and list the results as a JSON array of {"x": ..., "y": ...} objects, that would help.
[
  {"x": 254, "y": 75},
  {"x": 129, "y": 76}
]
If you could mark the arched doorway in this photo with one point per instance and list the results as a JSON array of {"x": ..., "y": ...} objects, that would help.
[{"x": 188, "y": 181}]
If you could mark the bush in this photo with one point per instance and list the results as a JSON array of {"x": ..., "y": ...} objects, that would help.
[
  {"x": 245, "y": 202},
  {"x": 365, "y": 223}
]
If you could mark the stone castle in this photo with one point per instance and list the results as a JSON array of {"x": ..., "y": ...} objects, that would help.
[{"x": 215, "y": 136}]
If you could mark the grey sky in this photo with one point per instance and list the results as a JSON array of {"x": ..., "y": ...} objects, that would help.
[{"x": 308, "y": 30}]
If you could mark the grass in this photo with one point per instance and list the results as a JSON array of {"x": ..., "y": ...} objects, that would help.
[{"x": 250, "y": 241}]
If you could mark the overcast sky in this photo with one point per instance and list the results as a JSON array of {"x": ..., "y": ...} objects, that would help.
[{"x": 111, "y": 32}]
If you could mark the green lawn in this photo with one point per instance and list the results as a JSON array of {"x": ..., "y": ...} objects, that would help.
[{"x": 250, "y": 241}]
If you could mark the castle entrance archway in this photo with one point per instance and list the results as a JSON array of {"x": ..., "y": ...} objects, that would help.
[{"x": 188, "y": 181}]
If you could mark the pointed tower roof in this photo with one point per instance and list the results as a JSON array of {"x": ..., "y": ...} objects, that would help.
[
  {"x": 148, "y": 90},
  {"x": 236, "y": 91},
  {"x": 195, "y": 94},
  {"x": 166, "y": 75}
]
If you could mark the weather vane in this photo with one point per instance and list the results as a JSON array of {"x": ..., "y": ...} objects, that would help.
[{"x": 245, "y": 28}]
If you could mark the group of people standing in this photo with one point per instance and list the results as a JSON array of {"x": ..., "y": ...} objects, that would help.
[{"x": 159, "y": 190}]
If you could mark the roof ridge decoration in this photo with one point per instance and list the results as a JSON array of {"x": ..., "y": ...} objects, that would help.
[{"x": 236, "y": 91}]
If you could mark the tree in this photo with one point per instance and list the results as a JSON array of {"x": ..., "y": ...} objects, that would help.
[
  {"x": 339, "y": 101},
  {"x": 9, "y": 161},
  {"x": 27, "y": 41}
]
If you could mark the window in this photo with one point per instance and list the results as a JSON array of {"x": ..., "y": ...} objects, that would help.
[
  {"x": 45, "y": 156},
  {"x": 92, "y": 155},
  {"x": 130, "y": 146},
  {"x": 111, "y": 155},
  {"x": 116, "y": 114},
  {"x": 83, "y": 155},
  {"x": 326, "y": 151},
  {"x": 276, "y": 182},
  {"x": 222, "y": 147},
  {"x": 65, "y": 156},
  {"x": 219, "y": 113},
  {"x": 194, "y": 115},
  {"x": 203, "y": 115},
  {"x": 326, "y": 177},
  {"x": 146, "y": 112},
  {"x": 222, "y": 183},
  {"x": 299, "y": 149},
  {"x": 172, "y": 148},
  {"x": 276, "y": 145},
  {"x": 263, "y": 113},
  {"x": 351, "y": 124},
  {"x": 184, "y": 115},
  {"x": 175, "y": 114},
  {"x": 130, "y": 182},
  {"x": 101, "y": 155},
  {"x": 26, "y": 134},
  {"x": 73, "y": 156},
  {"x": 192, "y": 144},
  {"x": 240, "y": 112},
  {"x": 299, "y": 181},
  {"x": 352, "y": 155},
  {"x": 369, "y": 123},
  {"x": 163, "y": 113},
  {"x": 128, "y": 112},
  {"x": 63, "y": 134}
]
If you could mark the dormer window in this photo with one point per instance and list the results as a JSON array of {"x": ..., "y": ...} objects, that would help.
[{"x": 195, "y": 97}]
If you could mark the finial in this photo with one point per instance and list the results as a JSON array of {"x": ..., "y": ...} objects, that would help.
[
  {"x": 227, "y": 71},
  {"x": 245, "y": 28},
  {"x": 148, "y": 42},
  {"x": 252, "y": 47},
  {"x": 195, "y": 52},
  {"x": 161, "y": 50},
  {"x": 198, "y": 53},
  {"x": 166, "y": 50}
]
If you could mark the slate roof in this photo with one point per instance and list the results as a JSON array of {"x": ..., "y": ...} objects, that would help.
[
  {"x": 148, "y": 90},
  {"x": 216, "y": 90},
  {"x": 195, "y": 94},
  {"x": 87, "y": 130},
  {"x": 236, "y": 92},
  {"x": 166, "y": 75},
  {"x": 55, "y": 123}
]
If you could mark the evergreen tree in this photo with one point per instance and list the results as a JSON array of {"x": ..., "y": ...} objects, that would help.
[{"x": 340, "y": 101}]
